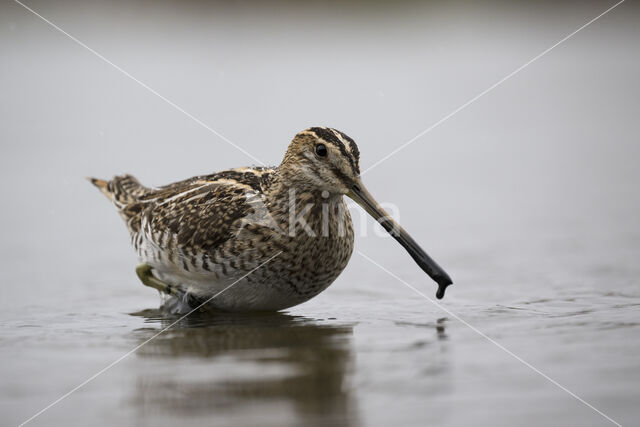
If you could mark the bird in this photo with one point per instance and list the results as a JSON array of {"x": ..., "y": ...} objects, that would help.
[{"x": 255, "y": 238}]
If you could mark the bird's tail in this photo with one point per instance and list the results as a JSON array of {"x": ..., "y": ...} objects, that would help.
[{"x": 121, "y": 190}]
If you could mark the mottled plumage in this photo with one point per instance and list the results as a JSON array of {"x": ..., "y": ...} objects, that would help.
[{"x": 203, "y": 234}]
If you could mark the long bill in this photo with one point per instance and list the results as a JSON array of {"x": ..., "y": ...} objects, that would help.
[{"x": 362, "y": 197}]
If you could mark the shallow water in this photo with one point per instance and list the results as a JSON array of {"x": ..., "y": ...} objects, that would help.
[{"x": 528, "y": 198}]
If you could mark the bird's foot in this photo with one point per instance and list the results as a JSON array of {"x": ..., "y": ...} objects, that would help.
[
  {"x": 148, "y": 279},
  {"x": 144, "y": 272}
]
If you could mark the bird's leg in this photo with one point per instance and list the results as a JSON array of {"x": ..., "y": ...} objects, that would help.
[{"x": 148, "y": 279}]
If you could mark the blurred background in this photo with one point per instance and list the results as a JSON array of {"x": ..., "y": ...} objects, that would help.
[{"x": 528, "y": 197}]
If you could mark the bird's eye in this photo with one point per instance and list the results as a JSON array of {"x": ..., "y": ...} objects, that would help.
[{"x": 321, "y": 150}]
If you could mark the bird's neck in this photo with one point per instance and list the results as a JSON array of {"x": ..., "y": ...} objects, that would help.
[{"x": 288, "y": 191}]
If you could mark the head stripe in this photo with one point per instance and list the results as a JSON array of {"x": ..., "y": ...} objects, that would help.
[{"x": 341, "y": 141}]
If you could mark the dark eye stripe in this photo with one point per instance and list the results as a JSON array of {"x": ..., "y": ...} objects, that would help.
[
  {"x": 343, "y": 150},
  {"x": 342, "y": 177}
]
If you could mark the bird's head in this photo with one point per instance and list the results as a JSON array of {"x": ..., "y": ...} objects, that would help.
[{"x": 324, "y": 159}]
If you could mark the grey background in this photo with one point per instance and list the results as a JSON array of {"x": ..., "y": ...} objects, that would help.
[{"x": 528, "y": 197}]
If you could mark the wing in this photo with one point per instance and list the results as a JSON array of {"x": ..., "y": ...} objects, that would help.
[
  {"x": 199, "y": 218},
  {"x": 192, "y": 221}
]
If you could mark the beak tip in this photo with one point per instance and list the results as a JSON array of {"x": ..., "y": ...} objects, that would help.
[{"x": 442, "y": 287}]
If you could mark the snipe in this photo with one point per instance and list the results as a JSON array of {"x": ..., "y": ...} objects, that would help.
[{"x": 208, "y": 235}]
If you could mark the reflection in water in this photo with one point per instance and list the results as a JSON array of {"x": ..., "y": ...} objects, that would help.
[
  {"x": 440, "y": 328},
  {"x": 269, "y": 366},
  {"x": 430, "y": 364}
]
